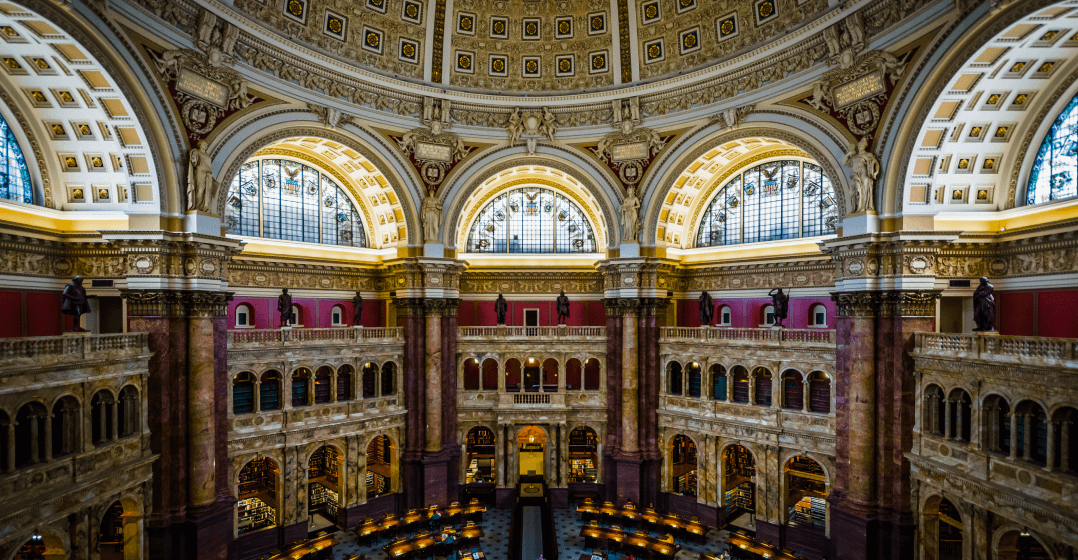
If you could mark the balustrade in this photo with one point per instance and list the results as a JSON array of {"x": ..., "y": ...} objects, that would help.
[
  {"x": 810, "y": 336},
  {"x": 241, "y": 337},
  {"x": 996, "y": 347},
  {"x": 72, "y": 347},
  {"x": 504, "y": 332}
]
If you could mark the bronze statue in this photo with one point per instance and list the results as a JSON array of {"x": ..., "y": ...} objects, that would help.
[
  {"x": 984, "y": 307},
  {"x": 563, "y": 308},
  {"x": 74, "y": 302},
  {"x": 284, "y": 305},
  {"x": 781, "y": 303},
  {"x": 500, "y": 306},
  {"x": 357, "y": 310},
  {"x": 707, "y": 308}
]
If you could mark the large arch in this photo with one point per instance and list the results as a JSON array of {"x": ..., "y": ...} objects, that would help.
[
  {"x": 268, "y": 128},
  {"x": 114, "y": 82},
  {"x": 695, "y": 146},
  {"x": 957, "y": 70},
  {"x": 470, "y": 188}
]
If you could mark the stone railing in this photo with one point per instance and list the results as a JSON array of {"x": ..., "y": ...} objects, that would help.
[
  {"x": 531, "y": 333},
  {"x": 701, "y": 334},
  {"x": 54, "y": 349},
  {"x": 243, "y": 337},
  {"x": 1032, "y": 350}
]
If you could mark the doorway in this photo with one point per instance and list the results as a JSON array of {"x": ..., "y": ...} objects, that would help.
[
  {"x": 532, "y": 378},
  {"x": 531, "y": 448}
]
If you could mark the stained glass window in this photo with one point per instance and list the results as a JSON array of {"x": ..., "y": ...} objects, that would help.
[
  {"x": 775, "y": 200},
  {"x": 284, "y": 199},
  {"x": 1056, "y": 167},
  {"x": 14, "y": 175},
  {"x": 531, "y": 220}
]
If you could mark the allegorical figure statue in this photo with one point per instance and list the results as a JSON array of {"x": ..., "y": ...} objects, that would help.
[
  {"x": 284, "y": 305},
  {"x": 707, "y": 308},
  {"x": 630, "y": 213},
  {"x": 357, "y": 310},
  {"x": 563, "y": 308},
  {"x": 864, "y": 167},
  {"x": 199, "y": 178},
  {"x": 781, "y": 303},
  {"x": 984, "y": 307},
  {"x": 500, "y": 306},
  {"x": 432, "y": 216},
  {"x": 73, "y": 302}
]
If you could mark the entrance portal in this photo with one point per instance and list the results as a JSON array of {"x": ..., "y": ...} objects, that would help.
[{"x": 531, "y": 445}]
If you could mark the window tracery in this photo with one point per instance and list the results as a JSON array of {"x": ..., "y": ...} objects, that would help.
[
  {"x": 1055, "y": 170},
  {"x": 775, "y": 200},
  {"x": 531, "y": 220},
  {"x": 284, "y": 199},
  {"x": 14, "y": 175}
]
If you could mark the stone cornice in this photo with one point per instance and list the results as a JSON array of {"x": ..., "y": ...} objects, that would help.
[{"x": 886, "y": 303}]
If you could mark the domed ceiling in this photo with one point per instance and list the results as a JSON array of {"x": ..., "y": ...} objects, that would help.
[{"x": 533, "y": 46}]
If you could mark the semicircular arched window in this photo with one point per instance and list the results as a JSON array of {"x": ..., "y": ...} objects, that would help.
[
  {"x": 531, "y": 220},
  {"x": 1055, "y": 171},
  {"x": 284, "y": 199},
  {"x": 14, "y": 175},
  {"x": 775, "y": 200}
]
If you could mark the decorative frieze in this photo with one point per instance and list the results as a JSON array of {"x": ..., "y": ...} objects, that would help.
[{"x": 886, "y": 303}]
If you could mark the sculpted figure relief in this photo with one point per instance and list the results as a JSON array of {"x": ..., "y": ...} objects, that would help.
[
  {"x": 199, "y": 179},
  {"x": 864, "y": 168},
  {"x": 432, "y": 217},
  {"x": 515, "y": 127}
]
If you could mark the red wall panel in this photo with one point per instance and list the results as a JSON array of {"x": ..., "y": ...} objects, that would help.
[
  {"x": 1016, "y": 313},
  {"x": 11, "y": 314},
  {"x": 1056, "y": 314},
  {"x": 43, "y": 317}
]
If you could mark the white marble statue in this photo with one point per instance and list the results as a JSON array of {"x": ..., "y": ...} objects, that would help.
[{"x": 864, "y": 168}]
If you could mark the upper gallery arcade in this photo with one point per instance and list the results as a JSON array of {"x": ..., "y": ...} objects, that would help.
[{"x": 402, "y": 164}]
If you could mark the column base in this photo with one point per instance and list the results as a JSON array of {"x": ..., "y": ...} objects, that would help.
[
  {"x": 559, "y": 498},
  {"x": 505, "y": 497},
  {"x": 624, "y": 486},
  {"x": 858, "y": 532},
  {"x": 209, "y": 531}
]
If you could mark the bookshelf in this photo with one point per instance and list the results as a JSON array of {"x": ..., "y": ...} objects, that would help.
[
  {"x": 718, "y": 387},
  {"x": 257, "y": 495},
  {"x": 243, "y": 398},
  {"x": 740, "y": 498},
  {"x": 253, "y": 514},
  {"x": 810, "y": 511},
  {"x": 685, "y": 484},
  {"x": 739, "y": 466},
  {"x": 582, "y": 470},
  {"x": 322, "y": 499},
  {"x": 325, "y": 463}
]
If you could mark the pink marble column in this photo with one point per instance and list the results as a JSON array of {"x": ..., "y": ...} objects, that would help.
[
  {"x": 201, "y": 476},
  {"x": 630, "y": 385}
]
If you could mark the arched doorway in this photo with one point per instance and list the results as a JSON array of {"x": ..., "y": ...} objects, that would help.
[
  {"x": 583, "y": 455},
  {"x": 1020, "y": 545},
  {"x": 256, "y": 508},
  {"x": 531, "y": 447},
  {"x": 324, "y": 486},
  {"x": 942, "y": 525},
  {"x": 380, "y": 461},
  {"x": 119, "y": 532},
  {"x": 738, "y": 482},
  {"x": 479, "y": 456},
  {"x": 42, "y": 547},
  {"x": 806, "y": 493},
  {"x": 682, "y": 454}
]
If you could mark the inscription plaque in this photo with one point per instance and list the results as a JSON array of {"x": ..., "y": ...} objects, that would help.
[
  {"x": 628, "y": 152},
  {"x": 433, "y": 152},
  {"x": 862, "y": 88},
  {"x": 202, "y": 87}
]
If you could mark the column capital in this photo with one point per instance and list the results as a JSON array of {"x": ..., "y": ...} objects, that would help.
[
  {"x": 634, "y": 307},
  {"x": 910, "y": 303},
  {"x": 175, "y": 303}
]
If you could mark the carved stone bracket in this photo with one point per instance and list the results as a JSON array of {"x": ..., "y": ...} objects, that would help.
[{"x": 916, "y": 303}]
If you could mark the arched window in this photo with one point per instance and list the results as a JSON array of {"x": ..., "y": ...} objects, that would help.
[
  {"x": 818, "y": 315},
  {"x": 344, "y": 383},
  {"x": 323, "y": 382},
  {"x": 337, "y": 316},
  {"x": 741, "y": 384},
  {"x": 820, "y": 392},
  {"x": 245, "y": 317},
  {"x": 66, "y": 419},
  {"x": 726, "y": 316},
  {"x": 490, "y": 374},
  {"x": 471, "y": 374},
  {"x": 591, "y": 375},
  {"x": 774, "y": 200},
  {"x": 718, "y": 383},
  {"x": 5, "y": 424},
  {"x": 301, "y": 379},
  {"x": 297, "y": 317},
  {"x": 763, "y": 386},
  {"x": 793, "y": 390},
  {"x": 933, "y": 410},
  {"x": 269, "y": 391},
  {"x": 694, "y": 380},
  {"x": 1055, "y": 171},
  {"x": 996, "y": 429},
  {"x": 243, "y": 393},
  {"x": 30, "y": 434},
  {"x": 370, "y": 380},
  {"x": 283, "y": 199},
  {"x": 960, "y": 415},
  {"x": 767, "y": 315},
  {"x": 479, "y": 449},
  {"x": 101, "y": 414},
  {"x": 572, "y": 374},
  {"x": 674, "y": 379},
  {"x": 128, "y": 411},
  {"x": 14, "y": 175},
  {"x": 389, "y": 378},
  {"x": 531, "y": 220}
]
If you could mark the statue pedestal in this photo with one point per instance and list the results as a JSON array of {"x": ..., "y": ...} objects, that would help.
[
  {"x": 777, "y": 327},
  {"x": 434, "y": 250},
  {"x": 77, "y": 333},
  {"x": 203, "y": 222},
  {"x": 858, "y": 224},
  {"x": 501, "y": 330},
  {"x": 357, "y": 326},
  {"x": 629, "y": 250},
  {"x": 286, "y": 327}
]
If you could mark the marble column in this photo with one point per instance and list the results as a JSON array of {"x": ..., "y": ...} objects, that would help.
[
  {"x": 806, "y": 397},
  {"x": 630, "y": 384},
  {"x": 411, "y": 316},
  {"x": 200, "y": 423},
  {"x": 947, "y": 406},
  {"x": 47, "y": 421},
  {"x": 433, "y": 432},
  {"x": 1064, "y": 446},
  {"x": 10, "y": 466},
  {"x": 1014, "y": 435},
  {"x": 1051, "y": 462}
]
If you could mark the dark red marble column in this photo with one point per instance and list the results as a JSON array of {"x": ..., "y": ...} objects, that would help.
[
  {"x": 411, "y": 317},
  {"x": 612, "y": 441},
  {"x": 874, "y": 421},
  {"x": 450, "y": 447},
  {"x": 650, "y": 453}
]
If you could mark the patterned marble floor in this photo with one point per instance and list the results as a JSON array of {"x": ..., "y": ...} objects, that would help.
[{"x": 495, "y": 543}]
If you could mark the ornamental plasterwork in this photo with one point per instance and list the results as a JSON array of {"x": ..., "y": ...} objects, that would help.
[
  {"x": 629, "y": 152},
  {"x": 269, "y": 274},
  {"x": 205, "y": 93},
  {"x": 433, "y": 151},
  {"x": 811, "y": 272},
  {"x": 534, "y": 282},
  {"x": 876, "y": 19}
]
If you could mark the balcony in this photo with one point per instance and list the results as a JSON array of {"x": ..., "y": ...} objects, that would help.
[
  {"x": 50, "y": 352},
  {"x": 258, "y": 337},
  {"x": 822, "y": 337},
  {"x": 503, "y": 332},
  {"x": 1013, "y": 350}
]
